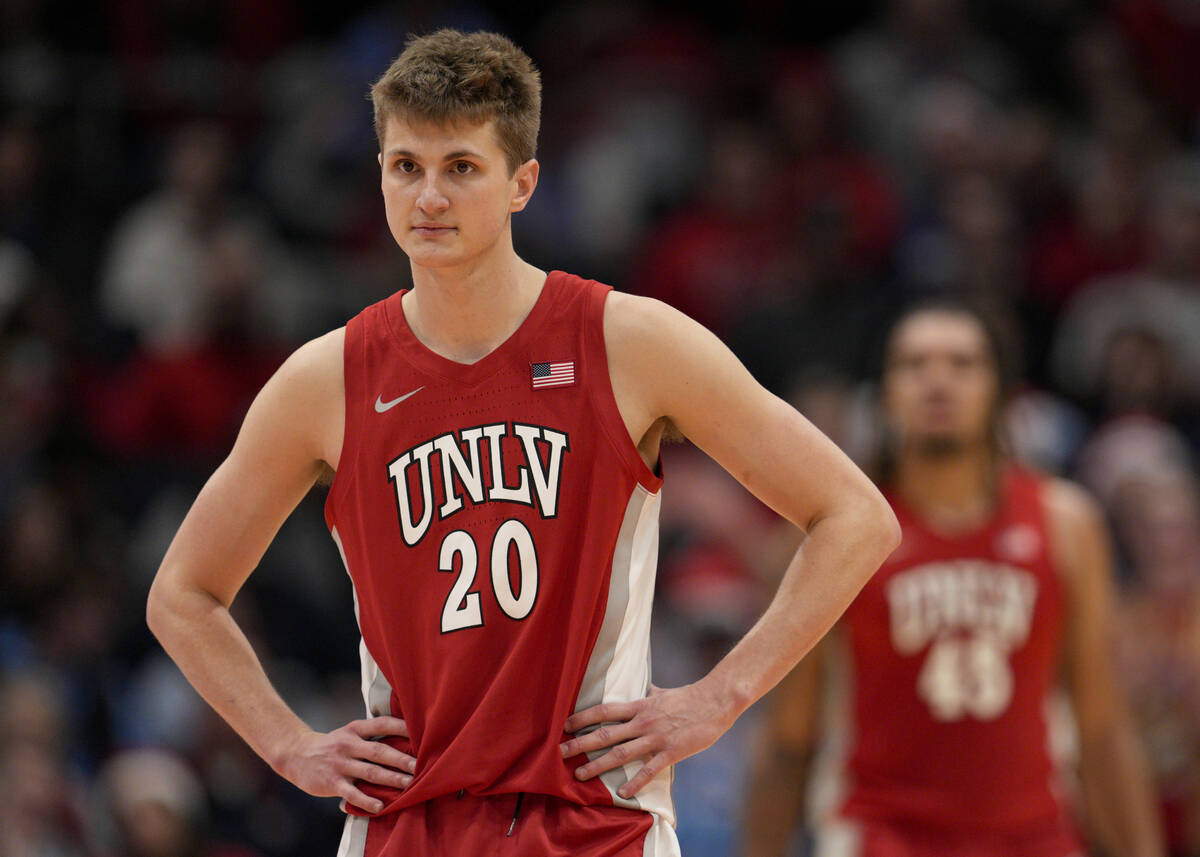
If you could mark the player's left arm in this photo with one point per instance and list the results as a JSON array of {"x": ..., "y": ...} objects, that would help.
[
  {"x": 663, "y": 364},
  {"x": 1113, "y": 775}
]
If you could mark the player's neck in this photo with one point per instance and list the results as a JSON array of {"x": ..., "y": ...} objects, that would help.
[
  {"x": 952, "y": 493},
  {"x": 465, "y": 313}
]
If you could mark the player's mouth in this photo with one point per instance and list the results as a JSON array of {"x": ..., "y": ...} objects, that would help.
[
  {"x": 938, "y": 409},
  {"x": 430, "y": 229}
]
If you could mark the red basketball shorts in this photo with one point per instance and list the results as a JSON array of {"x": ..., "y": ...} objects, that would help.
[{"x": 527, "y": 825}]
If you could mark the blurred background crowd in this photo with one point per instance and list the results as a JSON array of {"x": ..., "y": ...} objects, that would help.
[{"x": 188, "y": 190}]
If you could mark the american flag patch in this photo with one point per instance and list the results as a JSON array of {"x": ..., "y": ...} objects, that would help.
[{"x": 552, "y": 374}]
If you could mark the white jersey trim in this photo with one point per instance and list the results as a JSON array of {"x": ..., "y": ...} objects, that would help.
[
  {"x": 376, "y": 690},
  {"x": 354, "y": 837},
  {"x": 619, "y": 667}
]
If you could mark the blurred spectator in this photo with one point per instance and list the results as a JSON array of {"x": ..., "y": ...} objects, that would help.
[
  {"x": 60, "y": 612},
  {"x": 43, "y": 812},
  {"x": 1043, "y": 430},
  {"x": 214, "y": 301},
  {"x": 1158, "y": 637},
  {"x": 712, "y": 258},
  {"x": 182, "y": 254},
  {"x": 36, "y": 367},
  {"x": 970, "y": 243},
  {"x": 710, "y": 517},
  {"x": 319, "y": 165},
  {"x": 635, "y": 81},
  {"x": 1117, "y": 111},
  {"x": 957, "y": 128},
  {"x": 18, "y": 272},
  {"x": 823, "y": 170},
  {"x": 183, "y": 57},
  {"x": 1028, "y": 160},
  {"x": 1099, "y": 234},
  {"x": 31, "y": 66},
  {"x": 923, "y": 78},
  {"x": 41, "y": 815},
  {"x": 1165, "y": 37},
  {"x": 1127, "y": 448},
  {"x": 1147, "y": 319},
  {"x": 187, "y": 403},
  {"x": 810, "y": 298},
  {"x": 156, "y": 806},
  {"x": 37, "y": 553},
  {"x": 24, "y": 205}
]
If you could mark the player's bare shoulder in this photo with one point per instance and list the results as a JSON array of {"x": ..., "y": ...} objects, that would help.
[
  {"x": 1070, "y": 507},
  {"x": 630, "y": 344},
  {"x": 304, "y": 401},
  {"x": 653, "y": 345},
  {"x": 637, "y": 322},
  {"x": 318, "y": 361},
  {"x": 655, "y": 355},
  {"x": 1076, "y": 524}
]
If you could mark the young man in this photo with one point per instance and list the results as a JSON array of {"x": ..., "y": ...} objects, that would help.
[
  {"x": 1000, "y": 587},
  {"x": 495, "y": 434}
]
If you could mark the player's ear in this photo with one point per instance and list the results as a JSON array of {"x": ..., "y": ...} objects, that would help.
[{"x": 526, "y": 178}]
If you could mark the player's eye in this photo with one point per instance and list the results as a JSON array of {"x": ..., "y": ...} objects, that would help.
[
  {"x": 406, "y": 166},
  {"x": 463, "y": 167}
]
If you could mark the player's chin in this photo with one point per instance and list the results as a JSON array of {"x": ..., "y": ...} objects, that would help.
[
  {"x": 938, "y": 442},
  {"x": 433, "y": 257}
]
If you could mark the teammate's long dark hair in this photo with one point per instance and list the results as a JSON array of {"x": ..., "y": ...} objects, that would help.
[{"x": 1001, "y": 345}]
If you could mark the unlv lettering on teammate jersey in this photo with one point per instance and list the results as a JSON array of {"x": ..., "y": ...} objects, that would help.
[
  {"x": 975, "y": 597},
  {"x": 502, "y": 542},
  {"x": 954, "y": 646}
]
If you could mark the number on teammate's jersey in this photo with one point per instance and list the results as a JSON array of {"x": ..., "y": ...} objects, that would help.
[{"x": 966, "y": 677}]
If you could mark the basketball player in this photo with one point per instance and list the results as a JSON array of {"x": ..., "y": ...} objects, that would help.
[
  {"x": 1000, "y": 588},
  {"x": 494, "y": 432}
]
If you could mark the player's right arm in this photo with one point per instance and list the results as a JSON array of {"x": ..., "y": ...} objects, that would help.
[
  {"x": 782, "y": 763},
  {"x": 292, "y": 431}
]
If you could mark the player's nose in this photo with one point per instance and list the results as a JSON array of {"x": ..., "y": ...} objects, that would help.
[{"x": 431, "y": 199}]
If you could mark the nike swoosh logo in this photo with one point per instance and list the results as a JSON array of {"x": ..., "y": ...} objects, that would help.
[{"x": 381, "y": 405}]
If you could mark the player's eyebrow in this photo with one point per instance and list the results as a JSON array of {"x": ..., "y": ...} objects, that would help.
[{"x": 453, "y": 156}]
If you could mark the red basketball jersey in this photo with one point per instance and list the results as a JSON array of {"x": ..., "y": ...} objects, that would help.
[
  {"x": 954, "y": 645},
  {"x": 501, "y": 532}
]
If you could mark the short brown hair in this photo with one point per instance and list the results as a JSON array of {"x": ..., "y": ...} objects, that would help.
[{"x": 450, "y": 76}]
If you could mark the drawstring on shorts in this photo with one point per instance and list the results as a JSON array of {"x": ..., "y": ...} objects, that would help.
[{"x": 516, "y": 812}]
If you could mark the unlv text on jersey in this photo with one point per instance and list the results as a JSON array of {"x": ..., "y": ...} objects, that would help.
[{"x": 460, "y": 459}]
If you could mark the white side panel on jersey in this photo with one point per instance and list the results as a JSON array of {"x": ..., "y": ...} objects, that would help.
[
  {"x": 377, "y": 695},
  {"x": 1062, "y": 747},
  {"x": 838, "y": 837},
  {"x": 376, "y": 691},
  {"x": 354, "y": 837},
  {"x": 834, "y": 835},
  {"x": 829, "y": 781},
  {"x": 619, "y": 668},
  {"x": 660, "y": 840}
]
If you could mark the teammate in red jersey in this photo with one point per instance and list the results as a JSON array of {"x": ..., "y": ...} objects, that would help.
[
  {"x": 495, "y": 432},
  {"x": 950, "y": 655}
]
